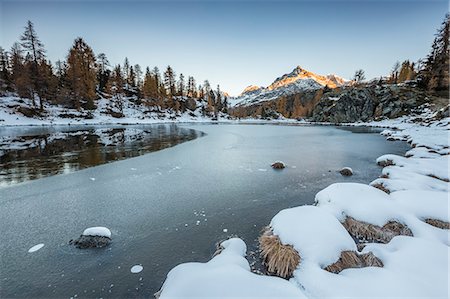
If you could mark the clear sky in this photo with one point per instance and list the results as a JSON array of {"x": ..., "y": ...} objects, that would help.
[{"x": 235, "y": 43}]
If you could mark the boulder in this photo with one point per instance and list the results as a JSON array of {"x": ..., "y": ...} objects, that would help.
[
  {"x": 278, "y": 165},
  {"x": 346, "y": 171}
]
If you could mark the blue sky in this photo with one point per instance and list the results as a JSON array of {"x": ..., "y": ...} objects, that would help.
[{"x": 235, "y": 43}]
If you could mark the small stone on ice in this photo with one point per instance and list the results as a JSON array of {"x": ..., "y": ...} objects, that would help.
[{"x": 136, "y": 269}]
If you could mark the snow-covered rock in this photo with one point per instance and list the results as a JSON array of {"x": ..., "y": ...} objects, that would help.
[
  {"x": 346, "y": 171},
  {"x": 93, "y": 237}
]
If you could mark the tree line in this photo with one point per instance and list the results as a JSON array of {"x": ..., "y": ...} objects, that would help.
[
  {"x": 83, "y": 77},
  {"x": 431, "y": 73}
]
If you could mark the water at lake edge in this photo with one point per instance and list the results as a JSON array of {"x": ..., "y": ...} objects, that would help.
[
  {"x": 36, "y": 152},
  {"x": 170, "y": 206}
]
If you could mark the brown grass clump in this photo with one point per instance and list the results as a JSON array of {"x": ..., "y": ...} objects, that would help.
[
  {"x": 351, "y": 259},
  {"x": 373, "y": 233},
  {"x": 438, "y": 223},
  {"x": 279, "y": 259},
  {"x": 278, "y": 165},
  {"x": 438, "y": 178},
  {"x": 387, "y": 162},
  {"x": 381, "y": 187}
]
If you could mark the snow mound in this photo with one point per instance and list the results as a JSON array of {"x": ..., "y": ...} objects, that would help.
[
  {"x": 309, "y": 229},
  {"x": 98, "y": 231},
  {"x": 432, "y": 167},
  {"x": 227, "y": 275}
]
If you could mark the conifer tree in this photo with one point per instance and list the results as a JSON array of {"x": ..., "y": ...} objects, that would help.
[
  {"x": 126, "y": 71},
  {"x": 138, "y": 75},
  {"x": 359, "y": 76},
  {"x": 81, "y": 74},
  {"x": 35, "y": 54},
  {"x": 394, "y": 73},
  {"x": 103, "y": 73},
  {"x": 169, "y": 82},
  {"x": 435, "y": 74},
  {"x": 181, "y": 86},
  {"x": 5, "y": 80}
]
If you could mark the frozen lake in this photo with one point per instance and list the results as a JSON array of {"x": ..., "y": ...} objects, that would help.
[{"x": 169, "y": 206}]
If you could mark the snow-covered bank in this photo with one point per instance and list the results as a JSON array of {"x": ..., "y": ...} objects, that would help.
[
  {"x": 411, "y": 209},
  {"x": 14, "y": 111}
]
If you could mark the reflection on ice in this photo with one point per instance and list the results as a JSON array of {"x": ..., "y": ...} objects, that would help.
[{"x": 47, "y": 152}]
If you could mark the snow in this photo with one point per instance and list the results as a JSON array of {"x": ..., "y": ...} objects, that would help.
[
  {"x": 353, "y": 199},
  {"x": 226, "y": 275},
  {"x": 437, "y": 166},
  {"x": 99, "y": 231},
  {"x": 136, "y": 269},
  {"x": 55, "y": 114},
  {"x": 310, "y": 229},
  {"x": 35, "y": 248}
]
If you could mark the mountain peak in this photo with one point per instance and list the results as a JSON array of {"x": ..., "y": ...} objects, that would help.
[
  {"x": 299, "y": 73},
  {"x": 251, "y": 89}
]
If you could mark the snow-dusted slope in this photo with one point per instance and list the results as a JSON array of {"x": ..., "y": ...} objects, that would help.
[
  {"x": 297, "y": 81},
  {"x": 133, "y": 112}
]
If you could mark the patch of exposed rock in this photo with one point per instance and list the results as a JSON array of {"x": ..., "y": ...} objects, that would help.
[{"x": 368, "y": 103}]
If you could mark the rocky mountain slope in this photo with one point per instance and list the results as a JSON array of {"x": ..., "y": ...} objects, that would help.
[{"x": 292, "y": 95}]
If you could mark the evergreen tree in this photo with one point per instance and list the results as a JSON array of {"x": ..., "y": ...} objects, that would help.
[
  {"x": 35, "y": 54},
  {"x": 435, "y": 74},
  {"x": 218, "y": 102},
  {"x": 20, "y": 73},
  {"x": 394, "y": 73},
  {"x": 81, "y": 74},
  {"x": 181, "y": 86},
  {"x": 169, "y": 82},
  {"x": 138, "y": 75},
  {"x": 5, "y": 80},
  {"x": 191, "y": 88},
  {"x": 126, "y": 70},
  {"x": 359, "y": 76},
  {"x": 103, "y": 73}
]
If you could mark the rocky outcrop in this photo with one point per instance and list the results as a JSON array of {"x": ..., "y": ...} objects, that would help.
[
  {"x": 367, "y": 103},
  {"x": 298, "y": 105}
]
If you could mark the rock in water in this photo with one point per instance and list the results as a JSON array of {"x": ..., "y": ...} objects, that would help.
[
  {"x": 93, "y": 237},
  {"x": 278, "y": 165},
  {"x": 346, "y": 171}
]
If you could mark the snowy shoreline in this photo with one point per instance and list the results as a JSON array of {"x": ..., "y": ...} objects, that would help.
[{"x": 412, "y": 193}]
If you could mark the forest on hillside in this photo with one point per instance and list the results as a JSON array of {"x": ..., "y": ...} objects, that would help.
[{"x": 84, "y": 77}]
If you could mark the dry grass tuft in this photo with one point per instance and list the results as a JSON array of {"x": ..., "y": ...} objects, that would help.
[
  {"x": 373, "y": 233},
  {"x": 438, "y": 223},
  {"x": 279, "y": 259},
  {"x": 387, "y": 162},
  {"x": 438, "y": 178},
  {"x": 381, "y": 187},
  {"x": 351, "y": 259}
]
